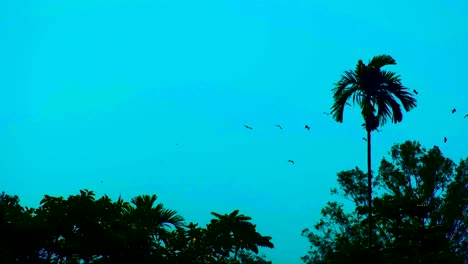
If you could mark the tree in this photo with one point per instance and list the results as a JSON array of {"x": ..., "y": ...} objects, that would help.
[
  {"x": 79, "y": 228},
  {"x": 190, "y": 244},
  {"x": 376, "y": 91},
  {"x": 227, "y": 239},
  {"x": 420, "y": 213},
  {"x": 18, "y": 244},
  {"x": 234, "y": 232},
  {"x": 83, "y": 229},
  {"x": 153, "y": 219}
]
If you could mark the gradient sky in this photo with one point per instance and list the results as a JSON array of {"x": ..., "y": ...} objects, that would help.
[{"x": 152, "y": 97}]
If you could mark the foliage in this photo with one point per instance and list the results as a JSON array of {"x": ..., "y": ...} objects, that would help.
[
  {"x": 375, "y": 91},
  {"x": 83, "y": 229},
  {"x": 245, "y": 257},
  {"x": 235, "y": 233},
  {"x": 421, "y": 212}
]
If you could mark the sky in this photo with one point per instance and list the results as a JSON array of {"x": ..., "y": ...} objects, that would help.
[{"x": 151, "y": 97}]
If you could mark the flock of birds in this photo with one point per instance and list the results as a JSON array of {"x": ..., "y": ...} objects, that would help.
[
  {"x": 454, "y": 110},
  {"x": 280, "y": 127},
  {"x": 307, "y": 127}
]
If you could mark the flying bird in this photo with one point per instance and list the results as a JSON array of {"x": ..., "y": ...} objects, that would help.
[
  {"x": 416, "y": 92},
  {"x": 445, "y": 140},
  {"x": 454, "y": 110},
  {"x": 466, "y": 116},
  {"x": 279, "y": 126},
  {"x": 348, "y": 103},
  {"x": 325, "y": 113},
  {"x": 365, "y": 139},
  {"x": 307, "y": 127},
  {"x": 292, "y": 161},
  {"x": 246, "y": 126}
]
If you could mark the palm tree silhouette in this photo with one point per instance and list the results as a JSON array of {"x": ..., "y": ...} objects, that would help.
[
  {"x": 239, "y": 232},
  {"x": 376, "y": 91},
  {"x": 153, "y": 219}
]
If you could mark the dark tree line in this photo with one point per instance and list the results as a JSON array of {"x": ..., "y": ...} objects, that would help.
[
  {"x": 82, "y": 229},
  {"x": 420, "y": 212}
]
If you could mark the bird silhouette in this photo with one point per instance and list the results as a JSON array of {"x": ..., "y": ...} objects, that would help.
[
  {"x": 416, "y": 92},
  {"x": 246, "y": 126},
  {"x": 454, "y": 110},
  {"x": 445, "y": 140},
  {"x": 466, "y": 116},
  {"x": 365, "y": 139},
  {"x": 292, "y": 161},
  {"x": 279, "y": 126},
  {"x": 325, "y": 113},
  {"x": 307, "y": 127},
  {"x": 348, "y": 104}
]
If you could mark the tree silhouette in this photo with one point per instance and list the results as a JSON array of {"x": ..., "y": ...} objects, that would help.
[
  {"x": 18, "y": 242},
  {"x": 420, "y": 214},
  {"x": 152, "y": 219},
  {"x": 235, "y": 232},
  {"x": 83, "y": 229},
  {"x": 376, "y": 91}
]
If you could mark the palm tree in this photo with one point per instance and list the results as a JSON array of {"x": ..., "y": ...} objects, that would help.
[
  {"x": 238, "y": 233},
  {"x": 152, "y": 218},
  {"x": 376, "y": 91}
]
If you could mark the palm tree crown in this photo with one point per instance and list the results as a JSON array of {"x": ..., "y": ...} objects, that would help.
[
  {"x": 156, "y": 216},
  {"x": 376, "y": 91}
]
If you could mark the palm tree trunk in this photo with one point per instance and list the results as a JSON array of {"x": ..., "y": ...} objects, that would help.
[{"x": 369, "y": 184}]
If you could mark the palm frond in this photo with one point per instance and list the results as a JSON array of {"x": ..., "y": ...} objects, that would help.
[
  {"x": 376, "y": 91},
  {"x": 380, "y": 61},
  {"x": 234, "y": 213},
  {"x": 347, "y": 79},
  {"x": 390, "y": 77},
  {"x": 388, "y": 108},
  {"x": 217, "y": 215},
  {"x": 360, "y": 68},
  {"x": 341, "y": 93},
  {"x": 264, "y": 241},
  {"x": 404, "y": 96},
  {"x": 169, "y": 217},
  {"x": 337, "y": 109}
]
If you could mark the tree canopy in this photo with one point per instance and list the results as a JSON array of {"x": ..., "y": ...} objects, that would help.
[
  {"x": 379, "y": 93},
  {"x": 420, "y": 211},
  {"x": 83, "y": 229}
]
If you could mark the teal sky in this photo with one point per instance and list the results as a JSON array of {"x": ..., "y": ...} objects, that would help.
[{"x": 152, "y": 97}]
